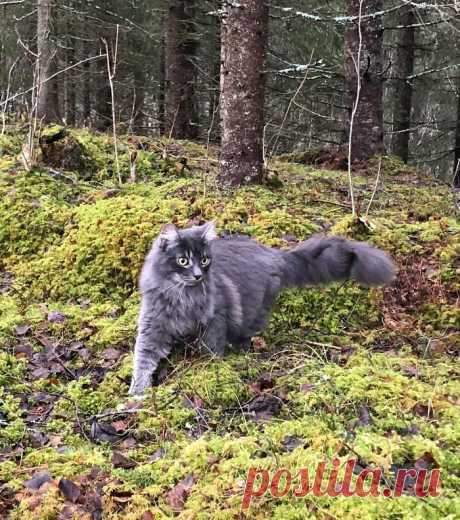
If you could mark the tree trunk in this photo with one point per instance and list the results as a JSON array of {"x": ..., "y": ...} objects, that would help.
[
  {"x": 456, "y": 178},
  {"x": 403, "y": 68},
  {"x": 367, "y": 132},
  {"x": 103, "y": 99},
  {"x": 181, "y": 46},
  {"x": 47, "y": 94},
  {"x": 161, "y": 87},
  {"x": 214, "y": 73},
  {"x": 138, "y": 102},
  {"x": 85, "y": 84},
  {"x": 242, "y": 90},
  {"x": 70, "y": 97}
]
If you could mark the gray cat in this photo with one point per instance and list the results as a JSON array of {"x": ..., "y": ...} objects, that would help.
[{"x": 221, "y": 290}]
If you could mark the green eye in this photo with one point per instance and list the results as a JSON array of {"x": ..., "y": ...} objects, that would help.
[
  {"x": 182, "y": 261},
  {"x": 205, "y": 260}
]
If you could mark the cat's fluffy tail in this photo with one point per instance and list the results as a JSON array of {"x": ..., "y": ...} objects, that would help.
[{"x": 322, "y": 260}]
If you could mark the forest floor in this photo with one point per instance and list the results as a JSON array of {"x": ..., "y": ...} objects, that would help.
[{"x": 341, "y": 373}]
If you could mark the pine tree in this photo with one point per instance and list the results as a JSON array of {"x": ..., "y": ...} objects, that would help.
[
  {"x": 242, "y": 91},
  {"x": 364, "y": 60}
]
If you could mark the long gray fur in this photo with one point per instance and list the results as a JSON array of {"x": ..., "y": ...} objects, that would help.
[{"x": 233, "y": 297}]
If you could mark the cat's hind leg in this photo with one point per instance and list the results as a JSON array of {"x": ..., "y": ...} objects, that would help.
[{"x": 214, "y": 339}]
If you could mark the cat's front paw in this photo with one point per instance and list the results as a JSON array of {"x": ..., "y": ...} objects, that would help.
[{"x": 138, "y": 386}]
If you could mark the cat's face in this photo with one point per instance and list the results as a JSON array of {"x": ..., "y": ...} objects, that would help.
[{"x": 185, "y": 255}]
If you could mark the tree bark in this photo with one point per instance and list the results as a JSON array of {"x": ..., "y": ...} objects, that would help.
[
  {"x": 103, "y": 100},
  {"x": 214, "y": 83},
  {"x": 180, "y": 49},
  {"x": 69, "y": 80},
  {"x": 161, "y": 87},
  {"x": 85, "y": 85},
  {"x": 403, "y": 68},
  {"x": 47, "y": 94},
  {"x": 456, "y": 178},
  {"x": 367, "y": 134},
  {"x": 242, "y": 91}
]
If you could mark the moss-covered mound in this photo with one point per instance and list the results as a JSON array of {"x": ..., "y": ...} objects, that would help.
[{"x": 341, "y": 373}]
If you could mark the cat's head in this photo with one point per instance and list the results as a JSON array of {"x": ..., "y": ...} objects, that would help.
[{"x": 185, "y": 254}]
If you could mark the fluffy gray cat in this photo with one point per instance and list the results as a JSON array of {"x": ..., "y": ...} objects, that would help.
[{"x": 194, "y": 284}]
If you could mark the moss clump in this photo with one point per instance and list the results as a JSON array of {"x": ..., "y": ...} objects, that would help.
[
  {"x": 10, "y": 145},
  {"x": 103, "y": 250},
  {"x": 34, "y": 210},
  {"x": 12, "y": 426},
  {"x": 357, "y": 372},
  {"x": 331, "y": 310},
  {"x": 10, "y": 317}
]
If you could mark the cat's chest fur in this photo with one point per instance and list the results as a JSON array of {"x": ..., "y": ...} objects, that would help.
[{"x": 187, "y": 312}]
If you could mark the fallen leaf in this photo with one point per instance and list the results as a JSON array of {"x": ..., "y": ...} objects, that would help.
[
  {"x": 70, "y": 490},
  {"x": 93, "y": 502},
  {"x": 193, "y": 402},
  {"x": 147, "y": 515},
  {"x": 55, "y": 440},
  {"x": 264, "y": 382},
  {"x": 423, "y": 410},
  {"x": 40, "y": 373},
  {"x": 47, "y": 343},
  {"x": 411, "y": 371},
  {"x": 426, "y": 461},
  {"x": 129, "y": 443},
  {"x": 120, "y": 461},
  {"x": 120, "y": 426},
  {"x": 37, "y": 481},
  {"x": 111, "y": 354},
  {"x": 55, "y": 317},
  {"x": 364, "y": 417},
  {"x": 122, "y": 497},
  {"x": 22, "y": 330},
  {"x": 177, "y": 496},
  {"x": 264, "y": 406},
  {"x": 103, "y": 432},
  {"x": 37, "y": 438},
  {"x": 159, "y": 454},
  {"x": 291, "y": 442},
  {"x": 307, "y": 387}
]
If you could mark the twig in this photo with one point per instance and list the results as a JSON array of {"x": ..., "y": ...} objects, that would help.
[
  {"x": 58, "y": 73},
  {"x": 114, "y": 414},
  {"x": 331, "y": 202},
  {"x": 357, "y": 64},
  {"x": 10, "y": 72},
  {"x": 291, "y": 101},
  {"x": 111, "y": 71},
  {"x": 318, "y": 344},
  {"x": 375, "y": 189}
]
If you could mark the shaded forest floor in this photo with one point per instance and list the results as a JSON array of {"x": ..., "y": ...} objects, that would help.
[{"x": 342, "y": 372}]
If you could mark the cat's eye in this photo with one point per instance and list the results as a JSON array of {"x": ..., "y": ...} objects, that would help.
[
  {"x": 205, "y": 261},
  {"x": 182, "y": 261}
]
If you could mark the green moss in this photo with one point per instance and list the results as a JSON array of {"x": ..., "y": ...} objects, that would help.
[
  {"x": 52, "y": 133},
  {"x": 103, "y": 250},
  {"x": 12, "y": 426},
  {"x": 10, "y": 316},
  {"x": 34, "y": 209},
  {"x": 76, "y": 247},
  {"x": 10, "y": 145}
]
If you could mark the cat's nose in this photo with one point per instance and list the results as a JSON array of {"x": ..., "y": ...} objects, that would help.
[{"x": 198, "y": 277}]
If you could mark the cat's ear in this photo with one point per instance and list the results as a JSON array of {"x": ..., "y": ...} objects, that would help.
[
  {"x": 168, "y": 235},
  {"x": 208, "y": 231}
]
